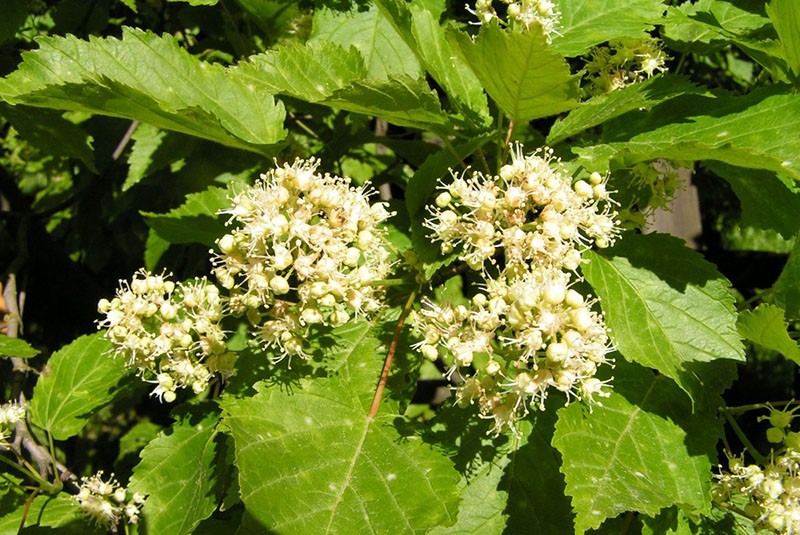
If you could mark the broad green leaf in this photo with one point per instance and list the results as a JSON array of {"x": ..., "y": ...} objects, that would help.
[
  {"x": 673, "y": 521},
  {"x": 385, "y": 53},
  {"x": 401, "y": 101},
  {"x": 585, "y": 24},
  {"x": 601, "y": 108},
  {"x": 149, "y": 78},
  {"x": 707, "y": 25},
  {"x": 667, "y": 308},
  {"x": 311, "y": 71},
  {"x": 47, "y": 514},
  {"x": 642, "y": 450},
  {"x": 177, "y": 473},
  {"x": 766, "y": 326},
  {"x": 520, "y": 71},
  {"x": 154, "y": 149},
  {"x": 420, "y": 29},
  {"x": 195, "y": 221},
  {"x": 311, "y": 462},
  {"x": 755, "y": 130},
  {"x": 785, "y": 16},
  {"x": 767, "y": 203},
  {"x": 14, "y": 347},
  {"x": 787, "y": 287},
  {"x": 79, "y": 379},
  {"x": 154, "y": 249}
]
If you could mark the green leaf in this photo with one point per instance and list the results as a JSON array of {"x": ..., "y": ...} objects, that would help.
[
  {"x": 642, "y": 450},
  {"x": 708, "y": 25},
  {"x": 47, "y": 514},
  {"x": 177, "y": 473},
  {"x": 385, "y": 53},
  {"x": 753, "y": 131},
  {"x": 148, "y": 78},
  {"x": 601, "y": 108},
  {"x": 154, "y": 149},
  {"x": 14, "y": 347},
  {"x": 673, "y": 521},
  {"x": 79, "y": 379},
  {"x": 667, "y": 308},
  {"x": 420, "y": 29},
  {"x": 786, "y": 18},
  {"x": 520, "y": 71},
  {"x": 311, "y": 462},
  {"x": 197, "y": 2},
  {"x": 154, "y": 249},
  {"x": 586, "y": 24},
  {"x": 766, "y": 326},
  {"x": 767, "y": 203},
  {"x": 787, "y": 287},
  {"x": 195, "y": 221}
]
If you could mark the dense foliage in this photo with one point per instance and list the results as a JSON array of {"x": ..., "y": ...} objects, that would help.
[{"x": 387, "y": 267}]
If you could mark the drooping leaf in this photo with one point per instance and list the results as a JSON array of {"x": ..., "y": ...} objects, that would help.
[
  {"x": 766, "y": 326},
  {"x": 385, "y": 53},
  {"x": 670, "y": 310},
  {"x": 177, "y": 473},
  {"x": 152, "y": 150},
  {"x": 149, "y": 78},
  {"x": 786, "y": 18},
  {"x": 767, "y": 203},
  {"x": 79, "y": 379},
  {"x": 331, "y": 469},
  {"x": 48, "y": 514},
  {"x": 601, "y": 108},
  {"x": 14, "y": 347},
  {"x": 586, "y": 24},
  {"x": 642, "y": 450},
  {"x": 753, "y": 131},
  {"x": 787, "y": 287},
  {"x": 195, "y": 221},
  {"x": 520, "y": 71}
]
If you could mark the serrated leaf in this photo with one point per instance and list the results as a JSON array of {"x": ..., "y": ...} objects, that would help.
[
  {"x": 402, "y": 101},
  {"x": 195, "y": 221},
  {"x": 786, "y": 18},
  {"x": 46, "y": 515},
  {"x": 385, "y": 53},
  {"x": 330, "y": 469},
  {"x": 83, "y": 376},
  {"x": 154, "y": 149},
  {"x": 667, "y": 308},
  {"x": 601, "y": 108},
  {"x": 766, "y": 326},
  {"x": 586, "y": 24},
  {"x": 673, "y": 521},
  {"x": 520, "y": 71},
  {"x": 149, "y": 78},
  {"x": 642, "y": 450},
  {"x": 767, "y": 203},
  {"x": 753, "y": 131},
  {"x": 14, "y": 347},
  {"x": 787, "y": 288},
  {"x": 177, "y": 473},
  {"x": 707, "y": 25}
]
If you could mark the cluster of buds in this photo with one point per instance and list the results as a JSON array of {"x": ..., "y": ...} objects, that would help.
[
  {"x": 10, "y": 413},
  {"x": 655, "y": 185},
  {"x": 107, "y": 502},
  {"x": 169, "y": 332},
  {"x": 529, "y": 329},
  {"x": 622, "y": 63},
  {"x": 305, "y": 250},
  {"x": 525, "y": 13}
]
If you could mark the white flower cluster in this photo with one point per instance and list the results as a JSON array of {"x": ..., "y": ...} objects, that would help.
[
  {"x": 306, "y": 249},
  {"x": 10, "y": 413},
  {"x": 170, "y": 332},
  {"x": 529, "y": 330},
  {"x": 623, "y": 62},
  {"x": 524, "y": 13},
  {"x": 107, "y": 502}
]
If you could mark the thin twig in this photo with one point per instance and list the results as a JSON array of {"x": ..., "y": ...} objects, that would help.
[
  {"x": 387, "y": 365},
  {"x": 760, "y": 459},
  {"x": 125, "y": 140}
]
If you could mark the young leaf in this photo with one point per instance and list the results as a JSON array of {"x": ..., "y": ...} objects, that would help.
[
  {"x": 310, "y": 461},
  {"x": 586, "y": 24},
  {"x": 766, "y": 326},
  {"x": 79, "y": 379},
  {"x": 14, "y": 347},
  {"x": 195, "y": 221},
  {"x": 177, "y": 473},
  {"x": 149, "y": 78},
  {"x": 520, "y": 71},
  {"x": 787, "y": 287},
  {"x": 670, "y": 311},
  {"x": 154, "y": 149},
  {"x": 642, "y": 450},
  {"x": 786, "y": 18}
]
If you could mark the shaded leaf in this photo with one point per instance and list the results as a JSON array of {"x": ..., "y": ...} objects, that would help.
[
  {"x": 670, "y": 311},
  {"x": 520, "y": 71},
  {"x": 195, "y": 221},
  {"x": 14, "y": 347},
  {"x": 83, "y": 376},
  {"x": 46, "y": 515},
  {"x": 154, "y": 249},
  {"x": 152, "y": 150},
  {"x": 766, "y": 326},
  {"x": 787, "y": 288},
  {"x": 707, "y": 25},
  {"x": 14, "y": 14},
  {"x": 786, "y": 18}
]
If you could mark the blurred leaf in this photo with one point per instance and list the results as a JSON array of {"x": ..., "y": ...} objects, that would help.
[
  {"x": 14, "y": 14},
  {"x": 195, "y": 221},
  {"x": 787, "y": 287},
  {"x": 197, "y": 2},
  {"x": 785, "y": 16},
  {"x": 48, "y": 514},
  {"x": 79, "y": 379},
  {"x": 14, "y": 347},
  {"x": 520, "y": 71},
  {"x": 766, "y": 326},
  {"x": 152, "y": 150}
]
